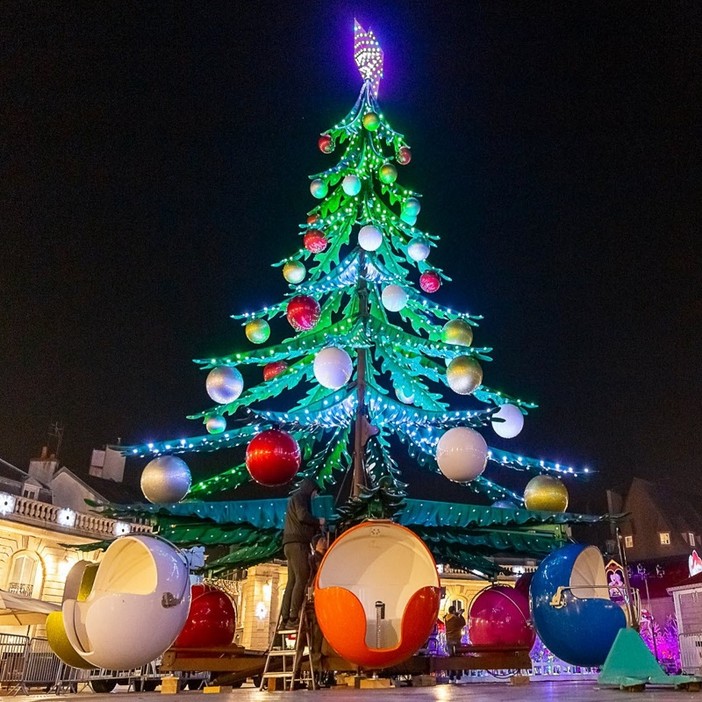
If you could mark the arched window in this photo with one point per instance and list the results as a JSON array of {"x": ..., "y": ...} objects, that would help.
[{"x": 26, "y": 574}]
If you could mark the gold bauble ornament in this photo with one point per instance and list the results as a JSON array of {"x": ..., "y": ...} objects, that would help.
[
  {"x": 457, "y": 332},
  {"x": 464, "y": 375},
  {"x": 546, "y": 493}
]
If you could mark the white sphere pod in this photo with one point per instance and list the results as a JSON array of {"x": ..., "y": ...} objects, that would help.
[
  {"x": 333, "y": 367},
  {"x": 512, "y": 424},
  {"x": 136, "y": 608},
  {"x": 370, "y": 238},
  {"x": 394, "y": 298},
  {"x": 461, "y": 454}
]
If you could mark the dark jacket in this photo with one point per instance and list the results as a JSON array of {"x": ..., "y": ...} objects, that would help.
[{"x": 300, "y": 525}]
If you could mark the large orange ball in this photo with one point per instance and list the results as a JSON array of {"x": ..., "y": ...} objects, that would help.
[{"x": 211, "y": 620}]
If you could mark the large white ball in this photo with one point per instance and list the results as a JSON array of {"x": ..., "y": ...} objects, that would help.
[
  {"x": 166, "y": 479},
  {"x": 394, "y": 298},
  {"x": 351, "y": 185},
  {"x": 418, "y": 249},
  {"x": 224, "y": 384},
  {"x": 333, "y": 367},
  {"x": 461, "y": 454},
  {"x": 370, "y": 238},
  {"x": 512, "y": 424}
]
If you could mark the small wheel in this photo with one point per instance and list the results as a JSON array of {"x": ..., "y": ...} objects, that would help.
[{"x": 103, "y": 686}]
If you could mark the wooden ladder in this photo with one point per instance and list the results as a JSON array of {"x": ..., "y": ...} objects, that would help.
[{"x": 285, "y": 658}]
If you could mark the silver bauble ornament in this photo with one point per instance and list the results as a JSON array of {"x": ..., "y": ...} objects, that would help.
[
  {"x": 215, "y": 424},
  {"x": 418, "y": 249},
  {"x": 461, "y": 453},
  {"x": 319, "y": 188},
  {"x": 165, "y": 479},
  {"x": 512, "y": 421},
  {"x": 351, "y": 185},
  {"x": 464, "y": 375},
  {"x": 333, "y": 367},
  {"x": 370, "y": 238},
  {"x": 224, "y": 384},
  {"x": 411, "y": 206},
  {"x": 394, "y": 298}
]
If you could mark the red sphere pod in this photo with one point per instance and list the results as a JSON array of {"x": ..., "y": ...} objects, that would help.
[{"x": 211, "y": 620}]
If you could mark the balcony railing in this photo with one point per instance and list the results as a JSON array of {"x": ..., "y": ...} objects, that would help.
[{"x": 51, "y": 516}]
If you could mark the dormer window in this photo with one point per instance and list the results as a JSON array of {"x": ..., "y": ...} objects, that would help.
[{"x": 664, "y": 537}]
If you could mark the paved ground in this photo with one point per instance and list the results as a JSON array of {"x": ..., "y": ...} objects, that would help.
[{"x": 541, "y": 691}]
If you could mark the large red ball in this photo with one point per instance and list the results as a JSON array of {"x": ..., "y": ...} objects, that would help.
[
  {"x": 429, "y": 282},
  {"x": 211, "y": 620},
  {"x": 303, "y": 312},
  {"x": 499, "y": 615},
  {"x": 325, "y": 144},
  {"x": 273, "y": 458},
  {"x": 270, "y": 370},
  {"x": 404, "y": 155},
  {"x": 315, "y": 241}
]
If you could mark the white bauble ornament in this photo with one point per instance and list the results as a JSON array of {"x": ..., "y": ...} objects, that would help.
[
  {"x": 394, "y": 298},
  {"x": 294, "y": 272},
  {"x": 319, "y": 188},
  {"x": 333, "y": 367},
  {"x": 402, "y": 397},
  {"x": 166, "y": 479},
  {"x": 351, "y": 185},
  {"x": 418, "y": 249},
  {"x": 369, "y": 237},
  {"x": 224, "y": 384},
  {"x": 215, "y": 424},
  {"x": 461, "y": 454},
  {"x": 512, "y": 424},
  {"x": 411, "y": 206}
]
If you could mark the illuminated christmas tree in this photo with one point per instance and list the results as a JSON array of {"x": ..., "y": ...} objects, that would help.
[{"x": 373, "y": 365}]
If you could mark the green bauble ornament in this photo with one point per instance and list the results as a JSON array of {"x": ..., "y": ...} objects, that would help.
[
  {"x": 371, "y": 121},
  {"x": 387, "y": 173},
  {"x": 464, "y": 375},
  {"x": 457, "y": 331},
  {"x": 258, "y": 331}
]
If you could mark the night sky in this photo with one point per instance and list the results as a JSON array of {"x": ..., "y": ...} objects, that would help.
[{"x": 154, "y": 163}]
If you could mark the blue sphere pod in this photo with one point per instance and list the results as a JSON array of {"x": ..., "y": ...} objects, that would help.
[{"x": 579, "y": 623}]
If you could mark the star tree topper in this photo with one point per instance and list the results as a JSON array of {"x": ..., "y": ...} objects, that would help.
[{"x": 368, "y": 56}]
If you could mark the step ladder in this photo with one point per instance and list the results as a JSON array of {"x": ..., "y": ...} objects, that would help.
[{"x": 288, "y": 651}]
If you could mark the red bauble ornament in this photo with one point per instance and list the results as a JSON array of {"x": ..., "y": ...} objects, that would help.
[
  {"x": 211, "y": 620},
  {"x": 429, "y": 282},
  {"x": 270, "y": 370},
  {"x": 303, "y": 312},
  {"x": 499, "y": 616},
  {"x": 313, "y": 219},
  {"x": 404, "y": 155},
  {"x": 315, "y": 241},
  {"x": 273, "y": 458},
  {"x": 325, "y": 144}
]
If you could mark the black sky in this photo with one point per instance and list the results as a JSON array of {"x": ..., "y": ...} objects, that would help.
[{"x": 154, "y": 163}]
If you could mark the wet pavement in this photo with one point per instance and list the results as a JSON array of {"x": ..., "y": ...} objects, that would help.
[{"x": 538, "y": 691}]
